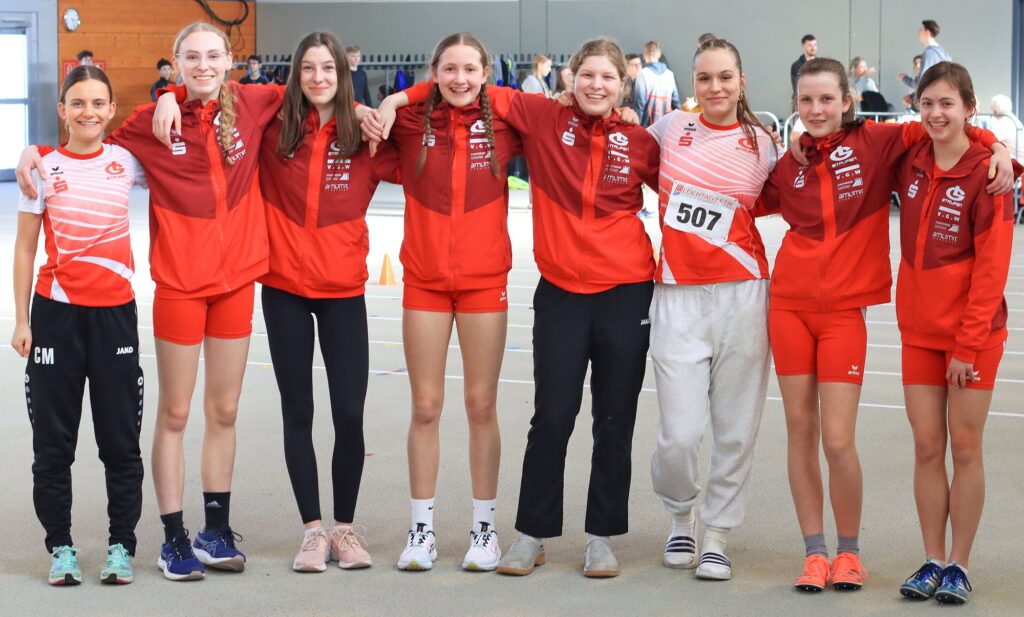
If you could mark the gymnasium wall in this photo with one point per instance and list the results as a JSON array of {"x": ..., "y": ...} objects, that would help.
[
  {"x": 131, "y": 35},
  {"x": 978, "y": 34}
]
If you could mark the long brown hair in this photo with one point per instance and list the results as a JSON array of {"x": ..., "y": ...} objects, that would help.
[
  {"x": 459, "y": 38},
  {"x": 225, "y": 98},
  {"x": 817, "y": 66},
  {"x": 296, "y": 106},
  {"x": 749, "y": 122}
]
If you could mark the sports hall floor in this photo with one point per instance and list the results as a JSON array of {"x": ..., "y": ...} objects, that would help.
[{"x": 766, "y": 552}]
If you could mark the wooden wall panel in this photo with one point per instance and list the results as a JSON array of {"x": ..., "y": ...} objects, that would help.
[{"x": 131, "y": 35}]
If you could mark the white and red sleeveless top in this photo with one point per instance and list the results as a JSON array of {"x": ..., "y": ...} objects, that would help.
[{"x": 84, "y": 204}]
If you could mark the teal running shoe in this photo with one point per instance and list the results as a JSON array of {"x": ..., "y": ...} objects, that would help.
[
  {"x": 118, "y": 569},
  {"x": 64, "y": 568}
]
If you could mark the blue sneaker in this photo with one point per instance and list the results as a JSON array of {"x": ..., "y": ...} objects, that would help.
[
  {"x": 64, "y": 568},
  {"x": 178, "y": 562},
  {"x": 954, "y": 587},
  {"x": 217, "y": 549},
  {"x": 922, "y": 584}
]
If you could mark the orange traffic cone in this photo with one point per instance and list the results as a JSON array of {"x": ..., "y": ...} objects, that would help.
[{"x": 387, "y": 274}]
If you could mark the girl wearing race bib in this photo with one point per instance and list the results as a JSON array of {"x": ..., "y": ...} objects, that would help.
[
  {"x": 833, "y": 263},
  {"x": 709, "y": 314},
  {"x": 956, "y": 246},
  {"x": 591, "y": 306},
  {"x": 83, "y": 327}
]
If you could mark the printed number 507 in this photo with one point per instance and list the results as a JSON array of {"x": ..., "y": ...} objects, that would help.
[{"x": 698, "y": 216}]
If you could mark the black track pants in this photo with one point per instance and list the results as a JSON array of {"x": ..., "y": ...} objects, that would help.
[
  {"x": 71, "y": 345},
  {"x": 341, "y": 326},
  {"x": 609, "y": 331}
]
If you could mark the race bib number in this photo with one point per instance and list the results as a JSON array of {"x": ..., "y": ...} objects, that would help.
[{"x": 694, "y": 210}]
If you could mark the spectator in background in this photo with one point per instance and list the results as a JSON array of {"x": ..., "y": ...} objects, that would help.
[
  {"x": 360, "y": 82},
  {"x": 166, "y": 70},
  {"x": 537, "y": 81},
  {"x": 84, "y": 57},
  {"x": 255, "y": 74},
  {"x": 565, "y": 79},
  {"x": 1004, "y": 123},
  {"x": 654, "y": 92},
  {"x": 860, "y": 77},
  {"x": 810, "y": 45},
  {"x": 933, "y": 52},
  {"x": 633, "y": 66},
  {"x": 909, "y": 103}
]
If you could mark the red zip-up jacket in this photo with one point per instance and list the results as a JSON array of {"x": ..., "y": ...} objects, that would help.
[
  {"x": 956, "y": 241},
  {"x": 456, "y": 210},
  {"x": 835, "y": 255},
  {"x": 316, "y": 203},
  {"x": 587, "y": 175},
  {"x": 208, "y": 232}
]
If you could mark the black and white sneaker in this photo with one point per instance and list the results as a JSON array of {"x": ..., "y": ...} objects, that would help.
[
  {"x": 714, "y": 566},
  {"x": 420, "y": 551},
  {"x": 681, "y": 552}
]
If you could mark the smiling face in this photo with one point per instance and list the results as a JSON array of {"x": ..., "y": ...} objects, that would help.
[
  {"x": 598, "y": 86},
  {"x": 821, "y": 103},
  {"x": 319, "y": 76},
  {"x": 202, "y": 61},
  {"x": 86, "y": 111},
  {"x": 460, "y": 74},
  {"x": 717, "y": 84},
  {"x": 943, "y": 112}
]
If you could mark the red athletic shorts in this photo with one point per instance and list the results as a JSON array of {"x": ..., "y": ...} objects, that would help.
[
  {"x": 831, "y": 345},
  {"x": 186, "y": 321},
  {"x": 469, "y": 301},
  {"x": 927, "y": 367}
]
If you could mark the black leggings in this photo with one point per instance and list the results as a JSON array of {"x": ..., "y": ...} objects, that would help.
[{"x": 341, "y": 323}]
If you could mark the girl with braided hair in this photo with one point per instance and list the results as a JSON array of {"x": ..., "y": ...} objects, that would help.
[
  {"x": 456, "y": 256},
  {"x": 208, "y": 245},
  {"x": 591, "y": 306}
]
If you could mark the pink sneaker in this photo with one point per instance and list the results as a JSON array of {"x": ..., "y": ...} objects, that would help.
[
  {"x": 347, "y": 548},
  {"x": 315, "y": 552}
]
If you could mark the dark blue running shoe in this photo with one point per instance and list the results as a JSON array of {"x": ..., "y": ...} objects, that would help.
[
  {"x": 178, "y": 562},
  {"x": 217, "y": 549},
  {"x": 954, "y": 587},
  {"x": 922, "y": 584}
]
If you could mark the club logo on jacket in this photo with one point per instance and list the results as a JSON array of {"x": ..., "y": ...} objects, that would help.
[
  {"x": 800, "y": 181},
  {"x": 685, "y": 140},
  {"x": 912, "y": 190},
  {"x": 848, "y": 174},
  {"x": 617, "y": 168},
  {"x": 337, "y": 169},
  {"x": 745, "y": 144},
  {"x": 479, "y": 147},
  {"x": 178, "y": 147},
  {"x": 236, "y": 151},
  {"x": 569, "y": 135},
  {"x": 947, "y": 226}
]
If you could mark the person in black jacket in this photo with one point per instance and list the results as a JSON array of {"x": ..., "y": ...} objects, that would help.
[
  {"x": 360, "y": 84},
  {"x": 166, "y": 71},
  {"x": 255, "y": 74}
]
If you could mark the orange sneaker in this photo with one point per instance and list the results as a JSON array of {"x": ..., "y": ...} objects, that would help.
[
  {"x": 847, "y": 572},
  {"x": 815, "y": 575}
]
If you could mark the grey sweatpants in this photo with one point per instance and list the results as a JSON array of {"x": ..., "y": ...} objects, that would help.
[{"x": 709, "y": 344}]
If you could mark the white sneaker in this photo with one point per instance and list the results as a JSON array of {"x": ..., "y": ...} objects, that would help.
[
  {"x": 484, "y": 550},
  {"x": 420, "y": 552}
]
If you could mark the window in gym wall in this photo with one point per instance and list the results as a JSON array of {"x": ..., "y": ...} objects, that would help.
[{"x": 13, "y": 94}]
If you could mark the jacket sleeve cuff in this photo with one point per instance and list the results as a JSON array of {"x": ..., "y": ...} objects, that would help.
[
  {"x": 965, "y": 355},
  {"x": 179, "y": 92}
]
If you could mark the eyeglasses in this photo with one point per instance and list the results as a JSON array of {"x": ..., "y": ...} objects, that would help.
[{"x": 192, "y": 60}]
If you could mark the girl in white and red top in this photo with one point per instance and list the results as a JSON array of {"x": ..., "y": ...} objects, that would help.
[
  {"x": 83, "y": 325},
  {"x": 709, "y": 312}
]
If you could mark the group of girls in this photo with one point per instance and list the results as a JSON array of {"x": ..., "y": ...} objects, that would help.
[{"x": 703, "y": 307}]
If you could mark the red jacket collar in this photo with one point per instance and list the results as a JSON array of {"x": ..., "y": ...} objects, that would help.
[
  {"x": 924, "y": 159},
  {"x": 609, "y": 123}
]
